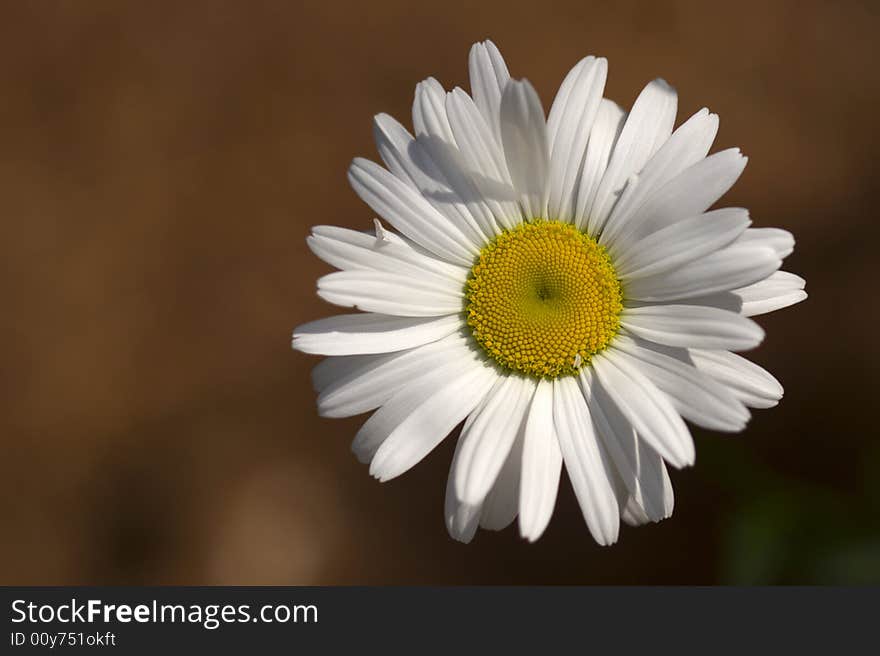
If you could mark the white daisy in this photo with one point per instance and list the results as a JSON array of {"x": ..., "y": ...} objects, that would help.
[{"x": 559, "y": 285}]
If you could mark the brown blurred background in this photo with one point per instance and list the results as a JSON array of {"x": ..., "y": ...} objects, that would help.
[{"x": 160, "y": 166}]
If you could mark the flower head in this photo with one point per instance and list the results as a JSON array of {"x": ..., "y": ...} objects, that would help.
[{"x": 560, "y": 286}]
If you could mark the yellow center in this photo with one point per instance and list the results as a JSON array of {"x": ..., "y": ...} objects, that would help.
[{"x": 543, "y": 298}]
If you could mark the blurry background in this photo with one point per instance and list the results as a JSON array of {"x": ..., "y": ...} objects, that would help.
[{"x": 160, "y": 166}]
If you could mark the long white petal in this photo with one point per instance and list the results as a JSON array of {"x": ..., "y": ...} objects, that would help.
[
  {"x": 647, "y": 128},
  {"x": 502, "y": 503},
  {"x": 482, "y": 158},
  {"x": 474, "y": 137},
  {"x": 645, "y": 407},
  {"x": 349, "y": 334},
  {"x": 641, "y": 469},
  {"x": 696, "y": 396},
  {"x": 435, "y": 138},
  {"x": 462, "y": 520},
  {"x": 488, "y": 76},
  {"x": 692, "y": 326},
  {"x": 371, "y": 382},
  {"x": 603, "y": 136},
  {"x": 388, "y": 293},
  {"x": 420, "y": 416},
  {"x": 680, "y": 243},
  {"x": 541, "y": 465},
  {"x": 634, "y": 512},
  {"x": 751, "y": 384},
  {"x": 689, "y": 193},
  {"x": 332, "y": 368},
  {"x": 688, "y": 145},
  {"x": 429, "y": 111},
  {"x": 352, "y": 250},
  {"x": 410, "y": 160},
  {"x": 781, "y": 241},
  {"x": 724, "y": 270},
  {"x": 488, "y": 440},
  {"x": 584, "y": 461},
  {"x": 568, "y": 131},
  {"x": 774, "y": 293},
  {"x": 405, "y": 398},
  {"x": 524, "y": 137},
  {"x": 409, "y": 212}
]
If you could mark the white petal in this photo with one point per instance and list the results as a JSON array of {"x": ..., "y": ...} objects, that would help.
[
  {"x": 680, "y": 243},
  {"x": 585, "y": 461},
  {"x": 606, "y": 129},
  {"x": 781, "y": 241},
  {"x": 541, "y": 465},
  {"x": 648, "y": 490},
  {"x": 631, "y": 513},
  {"x": 751, "y": 384},
  {"x": 689, "y": 193},
  {"x": 776, "y": 292},
  {"x": 351, "y": 393},
  {"x": 687, "y": 146},
  {"x": 420, "y": 416},
  {"x": 394, "y": 143},
  {"x": 621, "y": 493},
  {"x": 524, "y": 136},
  {"x": 429, "y": 111},
  {"x": 692, "y": 326},
  {"x": 488, "y": 440},
  {"x": 388, "y": 293},
  {"x": 376, "y": 429},
  {"x": 349, "y": 334},
  {"x": 482, "y": 158},
  {"x": 330, "y": 369},
  {"x": 434, "y": 136},
  {"x": 645, "y": 407},
  {"x": 462, "y": 519},
  {"x": 496, "y": 511},
  {"x": 634, "y": 512},
  {"x": 568, "y": 130},
  {"x": 560, "y": 102},
  {"x": 372, "y": 381},
  {"x": 352, "y": 250},
  {"x": 730, "y": 268},
  {"x": 696, "y": 396},
  {"x": 410, "y": 213},
  {"x": 502, "y": 503},
  {"x": 647, "y": 127},
  {"x": 489, "y": 76},
  {"x": 410, "y": 160},
  {"x": 474, "y": 137},
  {"x": 721, "y": 300}
]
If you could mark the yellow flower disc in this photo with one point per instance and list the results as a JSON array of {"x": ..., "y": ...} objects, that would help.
[{"x": 541, "y": 295}]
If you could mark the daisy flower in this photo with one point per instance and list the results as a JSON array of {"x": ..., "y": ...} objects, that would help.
[{"x": 559, "y": 285}]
